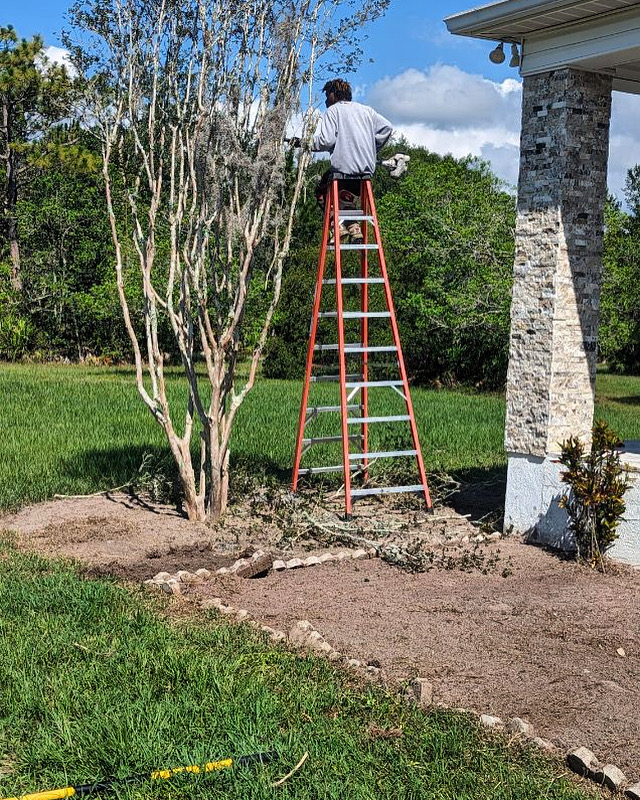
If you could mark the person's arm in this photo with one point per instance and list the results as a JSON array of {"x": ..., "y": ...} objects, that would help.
[
  {"x": 325, "y": 139},
  {"x": 383, "y": 130}
]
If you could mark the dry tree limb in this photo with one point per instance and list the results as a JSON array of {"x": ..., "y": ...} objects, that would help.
[{"x": 293, "y": 771}]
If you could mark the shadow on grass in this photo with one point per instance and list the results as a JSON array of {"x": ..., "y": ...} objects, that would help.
[{"x": 632, "y": 400}]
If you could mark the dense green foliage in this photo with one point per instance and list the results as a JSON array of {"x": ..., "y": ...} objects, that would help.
[
  {"x": 447, "y": 230},
  {"x": 597, "y": 482}
]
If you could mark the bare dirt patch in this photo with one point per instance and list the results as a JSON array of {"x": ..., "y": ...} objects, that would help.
[{"x": 498, "y": 627}]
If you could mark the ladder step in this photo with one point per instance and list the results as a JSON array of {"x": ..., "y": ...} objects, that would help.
[
  {"x": 331, "y": 247},
  {"x": 323, "y": 439},
  {"x": 321, "y": 378},
  {"x": 384, "y": 454},
  {"x": 328, "y": 409},
  {"x": 352, "y": 281},
  {"x": 356, "y": 314},
  {"x": 371, "y": 384},
  {"x": 355, "y": 215},
  {"x": 319, "y": 470},
  {"x": 362, "y": 420},
  {"x": 355, "y": 348},
  {"x": 387, "y": 490}
]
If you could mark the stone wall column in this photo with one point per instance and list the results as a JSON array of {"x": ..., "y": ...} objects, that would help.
[{"x": 557, "y": 277}]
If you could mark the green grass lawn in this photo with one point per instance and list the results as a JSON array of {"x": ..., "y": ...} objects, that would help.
[
  {"x": 75, "y": 430},
  {"x": 96, "y": 680}
]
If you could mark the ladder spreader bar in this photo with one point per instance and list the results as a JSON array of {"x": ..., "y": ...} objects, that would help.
[
  {"x": 319, "y": 470},
  {"x": 387, "y": 490},
  {"x": 322, "y": 439},
  {"x": 354, "y": 247},
  {"x": 352, "y": 281},
  {"x": 320, "y": 378},
  {"x": 355, "y": 348},
  {"x": 372, "y": 384},
  {"x": 384, "y": 454},
  {"x": 325, "y": 409},
  {"x": 356, "y": 314},
  {"x": 362, "y": 420},
  {"x": 356, "y": 214}
]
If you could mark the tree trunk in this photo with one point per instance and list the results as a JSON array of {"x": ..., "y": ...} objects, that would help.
[
  {"x": 11, "y": 201},
  {"x": 219, "y": 489}
]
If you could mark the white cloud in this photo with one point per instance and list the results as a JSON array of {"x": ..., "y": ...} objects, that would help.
[
  {"x": 452, "y": 111},
  {"x": 59, "y": 55}
]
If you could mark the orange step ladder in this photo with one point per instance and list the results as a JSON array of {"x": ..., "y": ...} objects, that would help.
[{"x": 355, "y": 381}]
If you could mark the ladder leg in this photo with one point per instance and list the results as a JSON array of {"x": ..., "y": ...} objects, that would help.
[
  {"x": 396, "y": 340},
  {"x": 335, "y": 202},
  {"x": 312, "y": 340},
  {"x": 364, "y": 330}
]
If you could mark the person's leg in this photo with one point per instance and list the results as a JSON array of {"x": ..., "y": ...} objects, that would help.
[{"x": 349, "y": 196}]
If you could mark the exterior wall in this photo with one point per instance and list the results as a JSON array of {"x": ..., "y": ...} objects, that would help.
[{"x": 557, "y": 273}]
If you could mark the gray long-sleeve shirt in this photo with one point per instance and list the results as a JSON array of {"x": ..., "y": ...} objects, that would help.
[{"x": 353, "y": 134}]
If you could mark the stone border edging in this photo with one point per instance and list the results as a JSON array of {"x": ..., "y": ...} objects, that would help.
[
  {"x": 171, "y": 583},
  {"x": 419, "y": 690}
]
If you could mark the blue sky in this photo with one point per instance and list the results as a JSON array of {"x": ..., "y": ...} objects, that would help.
[{"x": 438, "y": 90}]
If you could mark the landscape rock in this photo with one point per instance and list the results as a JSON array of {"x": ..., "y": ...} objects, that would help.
[
  {"x": 325, "y": 647},
  {"x": 610, "y": 776},
  {"x": 353, "y": 662},
  {"x": 621, "y": 652},
  {"x": 583, "y": 762},
  {"x": 372, "y": 552},
  {"x": 633, "y": 792},
  {"x": 203, "y": 573},
  {"x": 222, "y": 571},
  {"x": 312, "y": 561},
  {"x": 238, "y": 565},
  {"x": 228, "y": 610},
  {"x": 300, "y": 632},
  {"x": 334, "y": 655},
  {"x": 278, "y": 636},
  {"x": 212, "y": 602},
  {"x": 493, "y": 537},
  {"x": 342, "y": 555},
  {"x": 294, "y": 563},
  {"x": 184, "y": 576},
  {"x": 543, "y": 744},
  {"x": 161, "y": 577},
  {"x": 242, "y": 614},
  {"x": 278, "y": 565},
  {"x": 490, "y": 722},
  {"x": 359, "y": 553},
  {"x": 256, "y": 566},
  {"x": 517, "y": 725},
  {"x": 315, "y": 640},
  {"x": 422, "y": 691},
  {"x": 327, "y": 557}
]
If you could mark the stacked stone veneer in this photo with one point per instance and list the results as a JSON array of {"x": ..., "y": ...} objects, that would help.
[{"x": 558, "y": 262}]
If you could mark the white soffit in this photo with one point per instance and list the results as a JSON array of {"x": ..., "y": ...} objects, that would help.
[{"x": 595, "y": 35}]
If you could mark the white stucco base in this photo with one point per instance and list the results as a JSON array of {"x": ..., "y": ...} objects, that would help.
[{"x": 531, "y": 503}]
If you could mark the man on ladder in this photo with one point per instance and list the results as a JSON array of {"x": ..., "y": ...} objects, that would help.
[{"x": 353, "y": 134}]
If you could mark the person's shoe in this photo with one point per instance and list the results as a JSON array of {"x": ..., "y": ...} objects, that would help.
[
  {"x": 344, "y": 234},
  {"x": 355, "y": 233}
]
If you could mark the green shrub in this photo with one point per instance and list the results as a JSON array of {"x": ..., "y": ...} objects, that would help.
[{"x": 598, "y": 482}]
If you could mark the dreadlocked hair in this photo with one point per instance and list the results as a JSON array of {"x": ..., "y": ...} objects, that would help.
[{"x": 341, "y": 89}]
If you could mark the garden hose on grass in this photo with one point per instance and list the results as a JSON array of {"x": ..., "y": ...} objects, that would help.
[{"x": 108, "y": 784}]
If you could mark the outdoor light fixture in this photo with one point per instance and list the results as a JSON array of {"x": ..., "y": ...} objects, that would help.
[
  {"x": 497, "y": 56},
  {"x": 515, "y": 56}
]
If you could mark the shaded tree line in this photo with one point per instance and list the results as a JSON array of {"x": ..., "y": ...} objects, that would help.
[{"x": 448, "y": 229}]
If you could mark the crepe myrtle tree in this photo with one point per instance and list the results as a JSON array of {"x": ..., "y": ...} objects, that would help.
[{"x": 193, "y": 101}]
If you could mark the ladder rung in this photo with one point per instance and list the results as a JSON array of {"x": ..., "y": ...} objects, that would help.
[
  {"x": 320, "y": 378},
  {"x": 354, "y": 247},
  {"x": 356, "y": 314},
  {"x": 387, "y": 490},
  {"x": 358, "y": 215},
  {"x": 326, "y": 409},
  {"x": 355, "y": 348},
  {"x": 371, "y": 384},
  {"x": 352, "y": 281},
  {"x": 362, "y": 420},
  {"x": 384, "y": 454},
  {"x": 323, "y": 439},
  {"x": 319, "y": 470}
]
